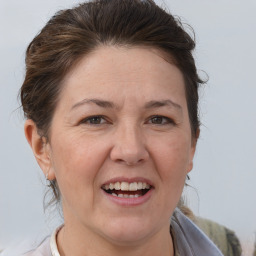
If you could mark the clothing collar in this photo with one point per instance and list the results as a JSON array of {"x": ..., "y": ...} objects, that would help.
[{"x": 190, "y": 240}]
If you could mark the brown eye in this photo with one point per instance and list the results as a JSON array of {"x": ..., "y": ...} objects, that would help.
[
  {"x": 94, "y": 120},
  {"x": 157, "y": 120},
  {"x": 160, "y": 120}
]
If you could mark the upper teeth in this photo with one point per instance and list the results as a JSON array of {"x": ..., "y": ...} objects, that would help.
[{"x": 126, "y": 186}]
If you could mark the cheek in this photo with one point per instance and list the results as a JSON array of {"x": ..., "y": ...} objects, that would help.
[
  {"x": 172, "y": 158},
  {"x": 76, "y": 162}
]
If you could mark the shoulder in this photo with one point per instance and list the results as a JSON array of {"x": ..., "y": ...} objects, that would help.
[
  {"x": 28, "y": 248},
  {"x": 223, "y": 237},
  {"x": 190, "y": 239}
]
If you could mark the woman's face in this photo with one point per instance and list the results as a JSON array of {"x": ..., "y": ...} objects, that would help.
[{"x": 120, "y": 143}]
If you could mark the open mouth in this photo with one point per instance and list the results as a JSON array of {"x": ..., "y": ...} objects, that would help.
[{"x": 126, "y": 189}]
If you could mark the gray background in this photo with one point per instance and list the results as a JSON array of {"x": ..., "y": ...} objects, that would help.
[{"x": 224, "y": 174}]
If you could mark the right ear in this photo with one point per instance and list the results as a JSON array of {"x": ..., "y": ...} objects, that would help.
[{"x": 40, "y": 147}]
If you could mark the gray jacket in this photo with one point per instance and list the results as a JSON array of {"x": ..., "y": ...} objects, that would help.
[{"x": 190, "y": 240}]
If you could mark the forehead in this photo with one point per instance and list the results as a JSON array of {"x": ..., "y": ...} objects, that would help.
[{"x": 128, "y": 71}]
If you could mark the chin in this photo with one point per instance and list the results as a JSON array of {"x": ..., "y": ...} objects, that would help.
[{"x": 130, "y": 231}]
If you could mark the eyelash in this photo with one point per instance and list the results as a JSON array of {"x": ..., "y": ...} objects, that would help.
[
  {"x": 91, "y": 120},
  {"x": 167, "y": 120}
]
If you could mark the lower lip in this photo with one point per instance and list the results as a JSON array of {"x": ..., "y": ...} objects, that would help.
[{"x": 129, "y": 201}]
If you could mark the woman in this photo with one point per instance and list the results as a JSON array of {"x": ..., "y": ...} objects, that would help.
[{"x": 110, "y": 97}]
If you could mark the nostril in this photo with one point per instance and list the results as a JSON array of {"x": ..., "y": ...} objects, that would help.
[{"x": 129, "y": 163}]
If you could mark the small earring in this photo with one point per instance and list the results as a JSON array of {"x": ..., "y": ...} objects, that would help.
[{"x": 46, "y": 176}]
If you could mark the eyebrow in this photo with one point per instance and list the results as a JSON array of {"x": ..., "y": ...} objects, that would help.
[
  {"x": 162, "y": 103},
  {"x": 109, "y": 104},
  {"x": 98, "y": 102}
]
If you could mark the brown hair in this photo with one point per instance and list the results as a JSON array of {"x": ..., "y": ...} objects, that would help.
[{"x": 71, "y": 34}]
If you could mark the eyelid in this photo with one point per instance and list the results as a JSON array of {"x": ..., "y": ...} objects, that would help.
[
  {"x": 88, "y": 118},
  {"x": 168, "y": 119}
]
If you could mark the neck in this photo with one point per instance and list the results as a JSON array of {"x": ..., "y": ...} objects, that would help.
[{"x": 82, "y": 242}]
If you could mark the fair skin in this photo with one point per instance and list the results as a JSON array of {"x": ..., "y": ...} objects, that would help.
[{"x": 121, "y": 117}]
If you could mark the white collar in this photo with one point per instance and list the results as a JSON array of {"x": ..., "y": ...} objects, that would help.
[{"x": 53, "y": 242}]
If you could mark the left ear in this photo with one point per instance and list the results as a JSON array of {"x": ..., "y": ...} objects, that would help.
[
  {"x": 193, "y": 150},
  {"x": 40, "y": 147}
]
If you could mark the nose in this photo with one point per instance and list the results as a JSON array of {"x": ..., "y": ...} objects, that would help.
[{"x": 129, "y": 146}]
